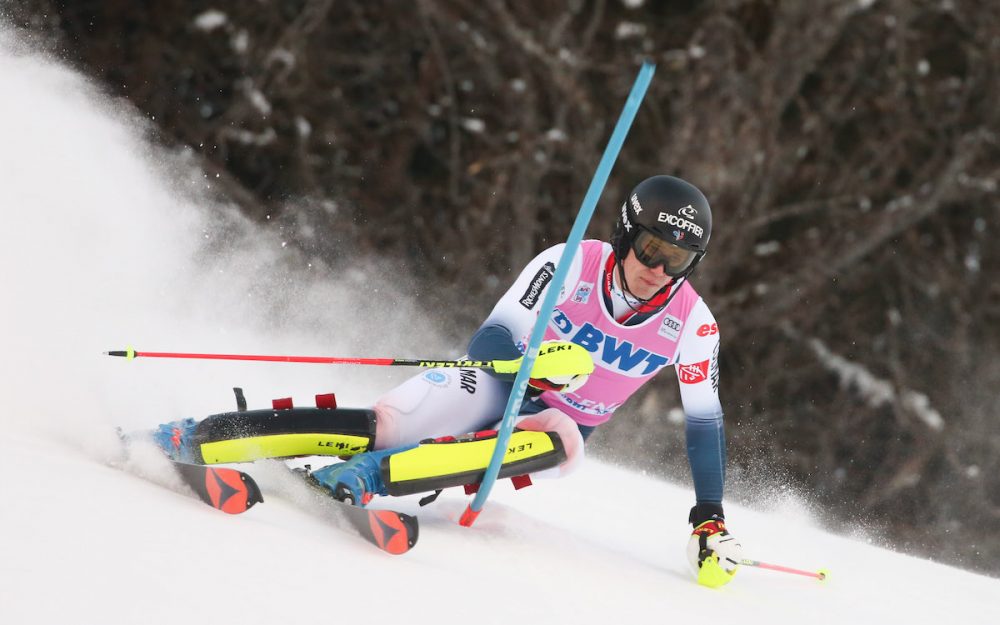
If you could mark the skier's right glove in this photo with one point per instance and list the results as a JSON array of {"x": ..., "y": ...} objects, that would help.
[
  {"x": 713, "y": 552},
  {"x": 561, "y": 366}
]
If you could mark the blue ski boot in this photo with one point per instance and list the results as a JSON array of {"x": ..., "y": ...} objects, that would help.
[
  {"x": 175, "y": 438},
  {"x": 356, "y": 481}
]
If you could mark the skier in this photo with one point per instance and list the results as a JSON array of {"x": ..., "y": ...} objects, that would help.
[{"x": 626, "y": 306}]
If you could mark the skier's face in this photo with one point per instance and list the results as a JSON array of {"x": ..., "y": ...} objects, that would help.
[{"x": 644, "y": 282}]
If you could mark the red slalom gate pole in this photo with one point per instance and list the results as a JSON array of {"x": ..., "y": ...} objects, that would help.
[{"x": 820, "y": 575}]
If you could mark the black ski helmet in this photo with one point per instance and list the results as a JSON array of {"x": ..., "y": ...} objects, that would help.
[{"x": 669, "y": 208}]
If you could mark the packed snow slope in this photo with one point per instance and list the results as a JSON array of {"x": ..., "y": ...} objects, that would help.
[{"x": 106, "y": 240}]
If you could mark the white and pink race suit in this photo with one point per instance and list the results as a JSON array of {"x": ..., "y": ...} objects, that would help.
[{"x": 628, "y": 348}]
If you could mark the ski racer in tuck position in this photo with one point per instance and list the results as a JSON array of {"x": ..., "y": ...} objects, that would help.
[{"x": 626, "y": 312}]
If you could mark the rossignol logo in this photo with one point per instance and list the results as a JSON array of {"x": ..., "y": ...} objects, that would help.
[
  {"x": 636, "y": 206},
  {"x": 609, "y": 351},
  {"x": 625, "y": 221},
  {"x": 543, "y": 277},
  {"x": 683, "y": 224}
]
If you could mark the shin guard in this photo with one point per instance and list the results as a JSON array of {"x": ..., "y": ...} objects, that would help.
[
  {"x": 250, "y": 435},
  {"x": 443, "y": 463}
]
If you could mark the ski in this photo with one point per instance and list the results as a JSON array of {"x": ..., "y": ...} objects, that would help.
[
  {"x": 224, "y": 489},
  {"x": 391, "y": 531}
]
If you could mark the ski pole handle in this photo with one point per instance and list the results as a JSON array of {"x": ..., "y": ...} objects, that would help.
[
  {"x": 500, "y": 366},
  {"x": 820, "y": 575}
]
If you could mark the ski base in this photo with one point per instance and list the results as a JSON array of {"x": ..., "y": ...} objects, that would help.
[{"x": 225, "y": 489}]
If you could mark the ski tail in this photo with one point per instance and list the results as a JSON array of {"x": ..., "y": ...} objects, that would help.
[
  {"x": 225, "y": 489},
  {"x": 390, "y": 531}
]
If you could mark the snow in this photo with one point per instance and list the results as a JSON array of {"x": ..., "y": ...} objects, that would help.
[
  {"x": 473, "y": 124},
  {"x": 259, "y": 101},
  {"x": 627, "y": 30},
  {"x": 103, "y": 243},
  {"x": 210, "y": 20}
]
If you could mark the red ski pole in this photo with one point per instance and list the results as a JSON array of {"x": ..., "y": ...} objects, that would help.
[{"x": 501, "y": 366}]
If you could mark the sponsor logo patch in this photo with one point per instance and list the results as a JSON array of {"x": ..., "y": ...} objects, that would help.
[
  {"x": 681, "y": 224},
  {"x": 625, "y": 221},
  {"x": 589, "y": 406},
  {"x": 713, "y": 369},
  {"x": 437, "y": 378},
  {"x": 706, "y": 329},
  {"x": 610, "y": 352},
  {"x": 693, "y": 373},
  {"x": 543, "y": 277},
  {"x": 468, "y": 378},
  {"x": 670, "y": 327},
  {"x": 583, "y": 291},
  {"x": 636, "y": 206}
]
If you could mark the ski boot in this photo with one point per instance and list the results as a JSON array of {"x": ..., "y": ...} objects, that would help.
[
  {"x": 356, "y": 481},
  {"x": 175, "y": 439}
]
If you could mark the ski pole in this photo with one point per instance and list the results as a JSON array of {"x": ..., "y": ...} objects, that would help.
[
  {"x": 820, "y": 575},
  {"x": 500, "y": 366}
]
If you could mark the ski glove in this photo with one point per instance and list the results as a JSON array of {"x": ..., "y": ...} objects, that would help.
[
  {"x": 561, "y": 366},
  {"x": 713, "y": 552}
]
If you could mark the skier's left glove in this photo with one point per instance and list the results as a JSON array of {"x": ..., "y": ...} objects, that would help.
[{"x": 713, "y": 552}]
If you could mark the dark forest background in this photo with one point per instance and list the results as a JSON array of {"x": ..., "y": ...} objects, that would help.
[{"x": 848, "y": 148}]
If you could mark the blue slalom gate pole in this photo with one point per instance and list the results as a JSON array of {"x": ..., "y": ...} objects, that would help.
[{"x": 597, "y": 183}]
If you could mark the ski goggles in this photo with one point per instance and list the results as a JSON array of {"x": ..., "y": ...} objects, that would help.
[{"x": 652, "y": 251}]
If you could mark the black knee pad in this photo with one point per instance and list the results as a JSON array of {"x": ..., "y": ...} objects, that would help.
[{"x": 249, "y": 435}]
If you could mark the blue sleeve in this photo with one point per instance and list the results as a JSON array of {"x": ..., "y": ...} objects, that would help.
[
  {"x": 706, "y": 448},
  {"x": 494, "y": 342}
]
